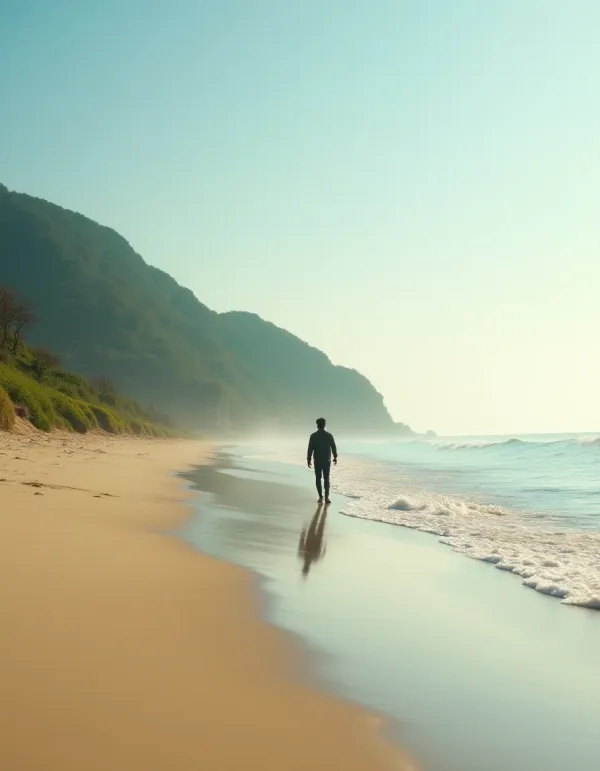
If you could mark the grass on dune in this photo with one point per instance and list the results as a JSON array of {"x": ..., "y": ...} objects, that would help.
[
  {"x": 65, "y": 401},
  {"x": 7, "y": 411},
  {"x": 34, "y": 385},
  {"x": 26, "y": 392}
]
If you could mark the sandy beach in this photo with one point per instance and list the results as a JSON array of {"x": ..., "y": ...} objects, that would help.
[{"x": 122, "y": 648}]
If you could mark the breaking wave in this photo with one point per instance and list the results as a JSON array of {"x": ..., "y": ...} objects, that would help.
[{"x": 513, "y": 443}]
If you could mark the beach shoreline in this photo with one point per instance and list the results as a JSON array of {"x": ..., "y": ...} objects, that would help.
[
  {"x": 450, "y": 653},
  {"x": 124, "y": 648}
]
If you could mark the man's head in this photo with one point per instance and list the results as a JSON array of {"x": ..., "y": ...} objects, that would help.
[{"x": 321, "y": 423}]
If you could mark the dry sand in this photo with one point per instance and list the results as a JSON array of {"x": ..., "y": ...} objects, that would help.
[{"x": 123, "y": 650}]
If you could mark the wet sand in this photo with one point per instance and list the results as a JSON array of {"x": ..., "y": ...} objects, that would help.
[
  {"x": 122, "y": 648},
  {"x": 477, "y": 672}
]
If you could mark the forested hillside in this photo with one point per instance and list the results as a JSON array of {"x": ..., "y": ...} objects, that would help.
[{"x": 108, "y": 313}]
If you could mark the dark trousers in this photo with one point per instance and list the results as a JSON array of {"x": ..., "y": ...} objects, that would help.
[{"x": 322, "y": 471}]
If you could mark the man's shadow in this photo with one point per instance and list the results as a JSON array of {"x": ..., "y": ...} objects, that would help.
[{"x": 311, "y": 547}]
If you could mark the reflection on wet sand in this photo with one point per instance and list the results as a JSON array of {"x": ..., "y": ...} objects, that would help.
[
  {"x": 252, "y": 517},
  {"x": 311, "y": 547}
]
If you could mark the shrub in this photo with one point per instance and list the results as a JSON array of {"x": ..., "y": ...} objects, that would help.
[
  {"x": 103, "y": 387},
  {"x": 7, "y": 411},
  {"x": 137, "y": 428},
  {"x": 107, "y": 420},
  {"x": 43, "y": 363},
  {"x": 73, "y": 385},
  {"x": 70, "y": 411},
  {"x": 23, "y": 390},
  {"x": 87, "y": 410},
  {"x": 110, "y": 399}
]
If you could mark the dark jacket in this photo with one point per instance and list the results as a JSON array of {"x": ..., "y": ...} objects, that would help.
[{"x": 321, "y": 445}]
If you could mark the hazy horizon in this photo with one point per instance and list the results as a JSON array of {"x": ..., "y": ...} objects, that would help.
[{"x": 410, "y": 189}]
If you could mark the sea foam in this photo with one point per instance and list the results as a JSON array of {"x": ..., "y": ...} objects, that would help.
[{"x": 559, "y": 562}]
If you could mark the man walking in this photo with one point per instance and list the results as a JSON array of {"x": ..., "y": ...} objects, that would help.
[{"x": 321, "y": 447}]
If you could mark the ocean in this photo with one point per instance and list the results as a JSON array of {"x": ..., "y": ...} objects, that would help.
[{"x": 529, "y": 505}]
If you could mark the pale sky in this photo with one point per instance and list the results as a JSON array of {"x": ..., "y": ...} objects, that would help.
[{"x": 412, "y": 187}]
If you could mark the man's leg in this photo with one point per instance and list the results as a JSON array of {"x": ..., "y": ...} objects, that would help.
[
  {"x": 318, "y": 473},
  {"x": 326, "y": 470}
]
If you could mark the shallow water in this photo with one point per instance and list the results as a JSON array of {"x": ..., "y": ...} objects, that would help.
[{"x": 479, "y": 673}]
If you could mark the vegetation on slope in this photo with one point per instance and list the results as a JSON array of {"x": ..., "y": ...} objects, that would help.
[
  {"x": 7, "y": 411},
  {"x": 51, "y": 397},
  {"x": 103, "y": 309}
]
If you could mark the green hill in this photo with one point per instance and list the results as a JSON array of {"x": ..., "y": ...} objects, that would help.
[{"x": 106, "y": 312}]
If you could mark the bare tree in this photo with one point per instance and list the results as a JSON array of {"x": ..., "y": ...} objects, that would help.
[
  {"x": 8, "y": 309},
  {"x": 103, "y": 386},
  {"x": 44, "y": 362},
  {"x": 15, "y": 316},
  {"x": 23, "y": 317}
]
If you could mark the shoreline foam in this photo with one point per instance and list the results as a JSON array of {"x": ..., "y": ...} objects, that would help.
[{"x": 545, "y": 555}]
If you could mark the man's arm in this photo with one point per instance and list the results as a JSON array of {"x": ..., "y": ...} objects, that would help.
[
  {"x": 333, "y": 447},
  {"x": 309, "y": 452}
]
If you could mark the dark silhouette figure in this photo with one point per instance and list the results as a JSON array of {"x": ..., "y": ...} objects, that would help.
[
  {"x": 311, "y": 547},
  {"x": 321, "y": 447}
]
